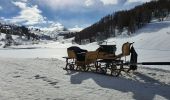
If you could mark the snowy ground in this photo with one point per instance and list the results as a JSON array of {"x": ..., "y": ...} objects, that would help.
[
  {"x": 44, "y": 79},
  {"x": 33, "y": 72}
]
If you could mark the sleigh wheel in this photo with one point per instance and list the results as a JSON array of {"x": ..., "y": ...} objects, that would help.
[
  {"x": 71, "y": 66},
  {"x": 116, "y": 68}
]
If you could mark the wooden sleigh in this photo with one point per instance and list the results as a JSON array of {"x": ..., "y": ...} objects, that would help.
[{"x": 103, "y": 60}]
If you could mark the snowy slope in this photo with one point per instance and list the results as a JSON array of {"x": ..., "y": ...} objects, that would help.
[
  {"x": 153, "y": 40},
  {"x": 152, "y": 43}
]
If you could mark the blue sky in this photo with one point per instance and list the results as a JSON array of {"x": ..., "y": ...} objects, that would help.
[{"x": 70, "y": 13}]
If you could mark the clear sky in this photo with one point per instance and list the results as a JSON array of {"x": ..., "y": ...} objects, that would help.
[{"x": 70, "y": 13}]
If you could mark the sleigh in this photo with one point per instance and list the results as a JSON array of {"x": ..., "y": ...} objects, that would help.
[{"x": 105, "y": 60}]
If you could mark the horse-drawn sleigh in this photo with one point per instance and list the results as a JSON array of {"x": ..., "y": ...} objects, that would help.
[{"x": 103, "y": 60}]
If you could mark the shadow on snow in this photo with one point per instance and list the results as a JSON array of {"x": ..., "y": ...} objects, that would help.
[{"x": 145, "y": 90}]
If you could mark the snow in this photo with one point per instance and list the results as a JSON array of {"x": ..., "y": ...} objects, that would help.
[
  {"x": 35, "y": 71},
  {"x": 44, "y": 79}
]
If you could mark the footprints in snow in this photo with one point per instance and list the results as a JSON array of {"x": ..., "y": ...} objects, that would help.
[
  {"x": 49, "y": 81},
  {"x": 17, "y": 76},
  {"x": 152, "y": 74}
]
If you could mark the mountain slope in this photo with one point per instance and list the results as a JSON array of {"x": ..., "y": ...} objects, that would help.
[
  {"x": 125, "y": 20},
  {"x": 152, "y": 42}
]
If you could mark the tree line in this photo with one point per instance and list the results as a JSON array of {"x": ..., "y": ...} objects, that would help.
[{"x": 129, "y": 20}]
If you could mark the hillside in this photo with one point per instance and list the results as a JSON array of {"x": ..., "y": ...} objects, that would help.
[
  {"x": 152, "y": 42},
  {"x": 128, "y": 21},
  {"x": 13, "y": 35}
]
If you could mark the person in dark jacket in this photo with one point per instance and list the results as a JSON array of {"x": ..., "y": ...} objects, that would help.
[{"x": 133, "y": 59}]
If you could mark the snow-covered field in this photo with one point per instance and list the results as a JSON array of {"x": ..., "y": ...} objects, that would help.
[
  {"x": 35, "y": 72},
  {"x": 44, "y": 79}
]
